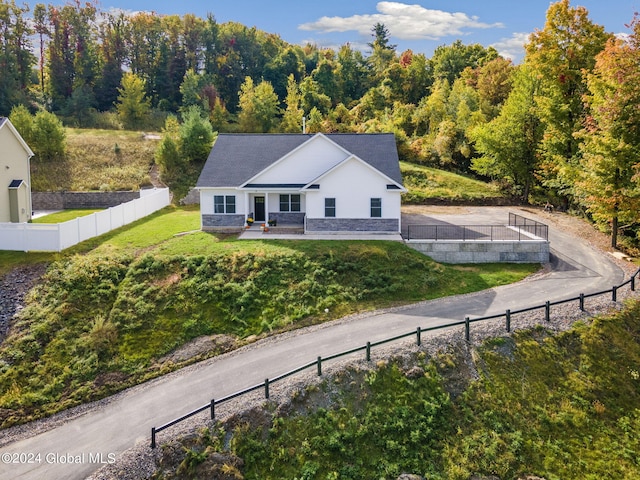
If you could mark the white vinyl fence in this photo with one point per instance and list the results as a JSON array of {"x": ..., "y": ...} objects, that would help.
[{"x": 58, "y": 236}]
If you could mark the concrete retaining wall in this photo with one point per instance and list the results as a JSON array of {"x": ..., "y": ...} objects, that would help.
[
  {"x": 457, "y": 251},
  {"x": 64, "y": 200}
]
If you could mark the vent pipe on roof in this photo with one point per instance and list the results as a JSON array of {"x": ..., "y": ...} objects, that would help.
[{"x": 304, "y": 124}]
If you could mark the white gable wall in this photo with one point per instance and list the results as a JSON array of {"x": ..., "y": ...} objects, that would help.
[
  {"x": 309, "y": 161},
  {"x": 14, "y": 165},
  {"x": 353, "y": 185},
  {"x": 207, "y": 194}
]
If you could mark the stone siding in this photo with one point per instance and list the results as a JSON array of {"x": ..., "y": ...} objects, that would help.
[
  {"x": 65, "y": 200},
  {"x": 223, "y": 222},
  {"x": 287, "y": 218},
  {"x": 353, "y": 225},
  {"x": 483, "y": 252}
]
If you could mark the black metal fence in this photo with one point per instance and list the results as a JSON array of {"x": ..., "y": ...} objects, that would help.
[
  {"x": 507, "y": 315},
  {"x": 519, "y": 229},
  {"x": 528, "y": 225}
]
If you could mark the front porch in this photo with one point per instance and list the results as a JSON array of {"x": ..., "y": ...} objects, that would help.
[
  {"x": 282, "y": 207},
  {"x": 262, "y": 230},
  {"x": 296, "y": 232}
]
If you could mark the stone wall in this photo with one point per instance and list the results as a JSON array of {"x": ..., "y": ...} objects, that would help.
[
  {"x": 223, "y": 222},
  {"x": 64, "y": 200},
  {"x": 353, "y": 225},
  {"x": 287, "y": 218},
  {"x": 457, "y": 251}
]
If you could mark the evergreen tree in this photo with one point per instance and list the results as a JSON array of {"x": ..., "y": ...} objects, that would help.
[
  {"x": 196, "y": 135},
  {"x": 16, "y": 59}
]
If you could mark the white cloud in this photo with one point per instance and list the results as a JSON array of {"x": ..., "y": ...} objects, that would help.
[
  {"x": 404, "y": 21},
  {"x": 513, "y": 47}
]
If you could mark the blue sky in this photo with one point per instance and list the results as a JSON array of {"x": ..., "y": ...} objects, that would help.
[{"x": 421, "y": 25}]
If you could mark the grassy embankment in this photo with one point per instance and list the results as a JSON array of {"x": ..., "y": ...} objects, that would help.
[
  {"x": 555, "y": 406},
  {"x": 109, "y": 309},
  {"x": 427, "y": 185},
  {"x": 106, "y": 160}
]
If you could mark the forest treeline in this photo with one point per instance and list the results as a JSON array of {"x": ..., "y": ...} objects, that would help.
[{"x": 562, "y": 126}]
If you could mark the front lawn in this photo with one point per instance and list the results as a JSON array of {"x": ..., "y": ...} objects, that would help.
[{"x": 109, "y": 309}]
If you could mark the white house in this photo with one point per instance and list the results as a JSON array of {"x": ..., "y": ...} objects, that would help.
[
  {"x": 319, "y": 182},
  {"x": 15, "y": 175}
]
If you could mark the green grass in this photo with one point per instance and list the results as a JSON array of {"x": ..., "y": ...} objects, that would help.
[
  {"x": 66, "y": 215},
  {"x": 12, "y": 259},
  {"x": 555, "y": 406},
  {"x": 426, "y": 184},
  {"x": 111, "y": 306}
]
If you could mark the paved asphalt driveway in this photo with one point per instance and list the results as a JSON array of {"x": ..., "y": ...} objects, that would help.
[{"x": 76, "y": 448}]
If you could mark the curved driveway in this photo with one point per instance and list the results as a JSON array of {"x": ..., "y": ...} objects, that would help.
[{"x": 78, "y": 447}]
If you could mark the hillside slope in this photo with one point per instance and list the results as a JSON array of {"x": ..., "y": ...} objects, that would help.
[{"x": 558, "y": 405}]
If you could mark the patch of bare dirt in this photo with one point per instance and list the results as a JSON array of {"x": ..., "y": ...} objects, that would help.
[{"x": 201, "y": 347}]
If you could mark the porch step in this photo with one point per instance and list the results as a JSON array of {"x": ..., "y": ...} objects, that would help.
[{"x": 286, "y": 229}]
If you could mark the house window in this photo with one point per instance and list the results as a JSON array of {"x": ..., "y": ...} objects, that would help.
[
  {"x": 289, "y": 203},
  {"x": 224, "y": 204},
  {"x": 376, "y": 207},
  {"x": 329, "y": 207}
]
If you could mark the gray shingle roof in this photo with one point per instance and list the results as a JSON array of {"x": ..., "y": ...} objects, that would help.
[{"x": 235, "y": 158}]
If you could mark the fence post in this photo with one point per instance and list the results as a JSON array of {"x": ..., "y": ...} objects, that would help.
[
  {"x": 614, "y": 291},
  {"x": 582, "y": 302},
  {"x": 153, "y": 437},
  {"x": 213, "y": 409},
  {"x": 466, "y": 328},
  {"x": 633, "y": 284},
  {"x": 508, "y": 319},
  {"x": 266, "y": 388},
  {"x": 419, "y": 335},
  {"x": 368, "y": 351},
  {"x": 319, "y": 366},
  {"x": 547, "y": 311}
]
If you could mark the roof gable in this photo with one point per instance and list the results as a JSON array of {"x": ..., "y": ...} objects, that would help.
[
  {"x": 351, "y": 159},
  {"x": 238, "y": 159},
  {"x": 6, "y": 123},
  {"x": 302, "y": 164}
]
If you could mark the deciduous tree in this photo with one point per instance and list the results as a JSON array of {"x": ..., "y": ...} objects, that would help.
[
  {"x": 559, "y": 54},
  {"x": 608, "y": 183},
  {"x": 133, "y": 104},
  {"x": 258, "y": 107},
  {"x": 510, "y": 143}
]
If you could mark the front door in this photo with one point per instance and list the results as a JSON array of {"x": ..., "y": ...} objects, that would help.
[{"x": 259, "y": 209}]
